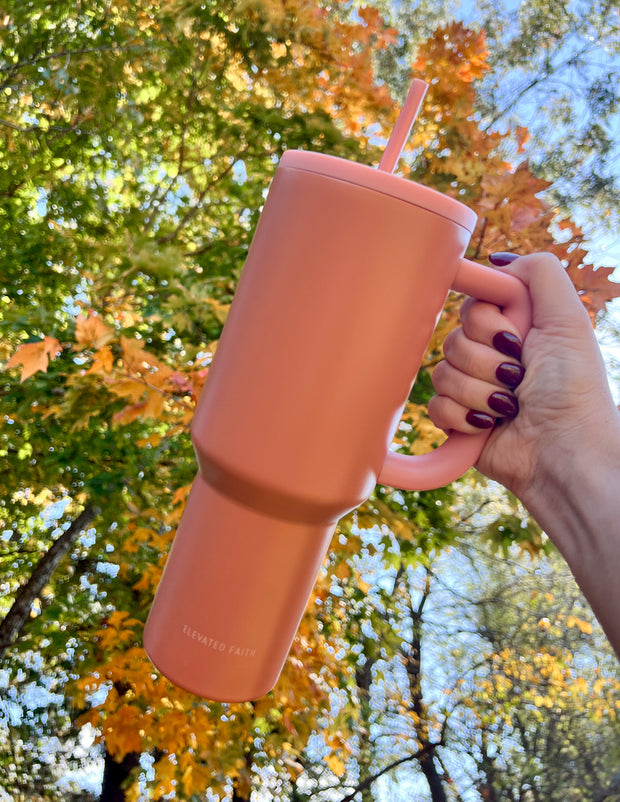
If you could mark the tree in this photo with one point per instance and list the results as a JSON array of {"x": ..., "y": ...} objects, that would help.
[
  {"x": 137, "y": 142},
  {"x": 553, "y": 76},
  {"x": 128, "y": 130},
  {"x": 559, "y": 63},
  {"x": 484, "y": 673},
  {"x": 542, "y": 698}
]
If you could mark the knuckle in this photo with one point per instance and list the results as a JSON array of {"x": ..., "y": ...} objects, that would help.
[
  {"x": 437, "y": 412},
  {"x": 448, "y": 381},
  {"x": 451, "y": 344},
  {"x": 462, "y": 353},
  {"x": 438, "y": 374}
]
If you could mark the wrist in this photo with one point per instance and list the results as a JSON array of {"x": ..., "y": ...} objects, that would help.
[
  {"x": 576, "y": 500},
  {"x": 576, "y": 487}
]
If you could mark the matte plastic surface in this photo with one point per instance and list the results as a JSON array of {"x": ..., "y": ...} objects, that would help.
[
  {"x": 345, "y": 279},
  {"x": 233, "y": 593}
]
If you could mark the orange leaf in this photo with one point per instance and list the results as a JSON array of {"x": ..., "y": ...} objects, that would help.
[
  {"x": 103, "y": 361},
  {"x": 139, "y": 362},
  {"x": 130, "y": 413},
  {"x": 128, "y": 388},
  {"x": 91, "y": 332},
  {"x": 121, "y": 732},
  {"x": 34, "y": 356},
  {"x": 180, "y": 494},
  {"x": 582, "y": 626},
  {"x": 594, "y": 286}
]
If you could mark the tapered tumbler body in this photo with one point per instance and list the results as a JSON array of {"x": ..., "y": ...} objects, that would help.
[{"x": 345, "y": 278}]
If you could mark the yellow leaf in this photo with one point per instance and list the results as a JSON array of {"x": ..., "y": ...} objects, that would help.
[
  {"x": 582, "y": 626},
  {"x": 582, "y": 685},
  {"x": 336, "y": 765},
  {"x": 153, "y": 440}
]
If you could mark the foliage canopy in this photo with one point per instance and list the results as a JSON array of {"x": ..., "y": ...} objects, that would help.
[{"x": 137, "y": 140}]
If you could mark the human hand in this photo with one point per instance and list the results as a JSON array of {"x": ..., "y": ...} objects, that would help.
[{"x": 555, "y": 381}]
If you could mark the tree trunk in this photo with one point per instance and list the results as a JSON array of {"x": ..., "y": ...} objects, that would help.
[
  {"x": 115, "y": 775},
  {"x": 413, "y": 663},
  {"x": 486, "y": 789},
  {"x": 363, "y": 679},
  {"x": 433, "y": 778},
  {"x": 242, "y": 785},
  {"x": 14, "y": 621}
]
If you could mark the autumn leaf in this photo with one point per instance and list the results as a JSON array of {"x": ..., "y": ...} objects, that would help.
[
  {"x": 34, "y": 357},
  {"x": 122, "y": 731},
  {"x": 139, "y": 362},
  {"x": 583, "y": 626},
  {"x": 180, "y": 494},
  {"x": 594, "y": 286},
  {"x": 91, "y": 332},
  {"x": 336, "y": 764},
  {"x": 103, "y": 361}
]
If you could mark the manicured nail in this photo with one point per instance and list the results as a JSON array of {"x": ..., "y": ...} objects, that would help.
[
  {"x": 510, "y": 374},
  {"x": 503, "y": 403},
  {"x": 508, "y": 344},
  {"x": 479, "y": 419},
  {"x": 502, "y": 259}
]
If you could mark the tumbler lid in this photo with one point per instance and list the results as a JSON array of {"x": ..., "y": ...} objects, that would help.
[{"x": 381, "y": 181}]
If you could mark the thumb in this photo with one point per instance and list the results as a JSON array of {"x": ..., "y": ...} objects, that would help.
[{"x": 554, "y": 298}]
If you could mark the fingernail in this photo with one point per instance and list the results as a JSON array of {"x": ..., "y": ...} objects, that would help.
[
  {"x": 510, "y": 374},
  {"x": 504, "y": 404},
  {"x": 508, "y": 344},
  {"x": 479, "y": 419},
  {"x": 502, "y": 258}
]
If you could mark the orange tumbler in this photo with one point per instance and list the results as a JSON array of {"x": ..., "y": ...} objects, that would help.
[{"x": 346, "y": 276}]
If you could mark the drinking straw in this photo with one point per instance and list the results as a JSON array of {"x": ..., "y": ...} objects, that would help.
[{"x": 401, "y": 130}]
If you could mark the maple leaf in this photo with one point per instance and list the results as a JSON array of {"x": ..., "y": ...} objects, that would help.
[
  {"x": 122, "y": 731},
  {"x": 34, "y": 357},
  {"x": 594, "y": 286},
  {"x": 103, "y": 361},
  {"x": 91, "y": 332},
  {"x": 139, "y": 362},
  {"x": 130, "y": 413}
]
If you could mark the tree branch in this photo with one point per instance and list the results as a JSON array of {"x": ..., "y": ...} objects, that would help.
[
  {"x": 366, "y": 783},
  {"x": 193, "y": 210},
  {"x": 13, "y": 622},
  {"x": 548, "y": 69}
]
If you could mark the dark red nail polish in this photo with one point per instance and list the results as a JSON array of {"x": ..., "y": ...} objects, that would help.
[
  {"x": 502, "y": 258},
  {"x": 504, "y": 404},
  {"x": 479, "y": 419},
  {"x": 510, "y": 374},
  {"x": 508, "y": 344}
]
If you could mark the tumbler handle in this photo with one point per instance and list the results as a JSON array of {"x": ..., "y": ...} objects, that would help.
[{"x": 461, "y": 451}]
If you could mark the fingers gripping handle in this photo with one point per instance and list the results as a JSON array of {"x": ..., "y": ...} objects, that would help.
[
  {"x": 461, "y": 451},
  {"x": 488, "y": 284}
]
